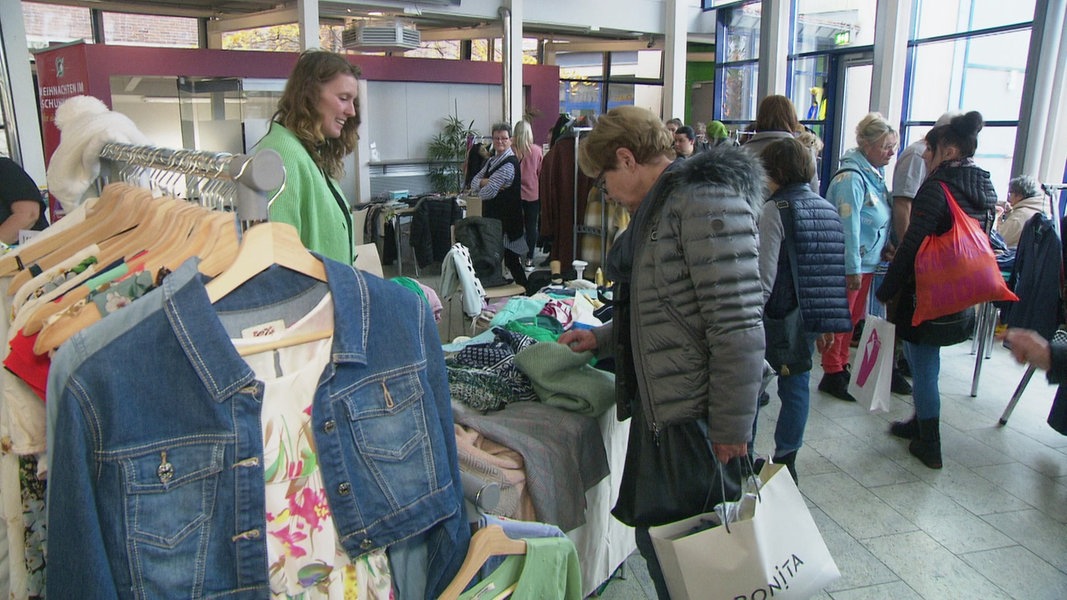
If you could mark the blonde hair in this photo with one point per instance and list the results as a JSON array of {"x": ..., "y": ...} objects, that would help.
[
  {"x": 637, "y": 129},
  {"x": 872, "y": 128},
  {"x": 298, "y": 109},
  {"x": 523, "y": 138}
]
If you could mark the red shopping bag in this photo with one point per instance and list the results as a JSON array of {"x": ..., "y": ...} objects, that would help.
[{"x": 957, "y": 269}]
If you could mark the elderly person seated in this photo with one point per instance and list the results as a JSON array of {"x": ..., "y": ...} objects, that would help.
[{"x": 1024, "y": 201}]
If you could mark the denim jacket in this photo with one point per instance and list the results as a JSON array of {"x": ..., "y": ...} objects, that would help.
[{"x": 157, "y": 486}]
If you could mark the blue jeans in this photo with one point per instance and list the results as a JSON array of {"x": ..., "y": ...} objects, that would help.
[
  {"x": 531, "y": 213},
  {"x": 795, "y": 395},
  {"x": 925, "y": 363}
]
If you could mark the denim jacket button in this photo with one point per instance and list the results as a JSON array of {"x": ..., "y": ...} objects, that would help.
[
  {"x": 329, "y": 426},
  {"x": 366, "y": 544},
  {"x": 344, "y": 489}
]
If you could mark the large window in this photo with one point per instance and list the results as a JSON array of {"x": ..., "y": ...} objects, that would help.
[
  {"x": 737, "y": 63},
  {"x": 970, "y": 55},
  {"x": 126, "y": 29},
  {"x": 591, "y": 83},
  {"x": 820, "y": 26},
  {"x": 827, "y": 36},
  {"x": 48, "y": 23}
]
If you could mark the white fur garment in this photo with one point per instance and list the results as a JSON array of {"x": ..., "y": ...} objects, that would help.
[{"x": 85, "y": 124}]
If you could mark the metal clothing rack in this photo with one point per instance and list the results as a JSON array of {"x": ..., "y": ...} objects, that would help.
[
  {"x": 578, "y": 226},
  {"x": 219, "y": 180}
]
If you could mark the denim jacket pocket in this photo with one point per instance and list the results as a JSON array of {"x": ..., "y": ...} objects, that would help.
[
  {"x": 390, "y": 431},
  {"x": 171, "y": 489}
]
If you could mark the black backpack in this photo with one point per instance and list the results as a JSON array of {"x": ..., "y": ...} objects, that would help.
[{"x": 484, "y": 238}]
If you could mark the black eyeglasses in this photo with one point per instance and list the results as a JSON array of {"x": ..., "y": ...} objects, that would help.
[{"x": 601, "y": 184}]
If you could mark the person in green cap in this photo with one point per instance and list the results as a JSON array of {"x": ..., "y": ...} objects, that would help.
[{"x": 718, "y": 135}]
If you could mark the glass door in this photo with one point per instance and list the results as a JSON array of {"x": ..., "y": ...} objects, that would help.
[
  {"x": 853, "y": 102},
  {"x": 211, "y": 113}
]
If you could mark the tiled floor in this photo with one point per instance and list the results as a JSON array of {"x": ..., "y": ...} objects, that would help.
[{"x": 991, "y": 524}]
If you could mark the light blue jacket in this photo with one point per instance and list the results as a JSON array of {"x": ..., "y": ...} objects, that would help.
[
  {"x": 157, "y": 486},
  {"x": 859, "y": 192}
]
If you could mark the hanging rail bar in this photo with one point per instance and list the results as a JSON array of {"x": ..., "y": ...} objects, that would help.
[{"x": 242, "y": 179}]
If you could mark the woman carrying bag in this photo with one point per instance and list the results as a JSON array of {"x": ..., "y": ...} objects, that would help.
[
  {"x": 686, "y": 332},
  {"x": 803, "y": 280},
  {"x": 949, "y": 161}
]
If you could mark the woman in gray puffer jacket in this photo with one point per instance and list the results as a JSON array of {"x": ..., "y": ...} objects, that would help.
[{"x": 687, "y": 331}]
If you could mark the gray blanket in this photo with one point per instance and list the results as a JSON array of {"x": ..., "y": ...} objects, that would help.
[{"x": 563, "y": 451}]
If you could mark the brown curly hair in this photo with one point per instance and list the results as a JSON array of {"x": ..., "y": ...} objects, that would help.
[
  {"x": 777, "y": 113},
  {"x": 298, "y": 109}
]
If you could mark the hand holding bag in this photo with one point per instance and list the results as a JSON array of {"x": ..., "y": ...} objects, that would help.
[
  {"x": 957, "y": 269},
  {"x": 870, "y": 383},
  {"x": 774, "y": 550},
  {"x": 671, "y": 475}
]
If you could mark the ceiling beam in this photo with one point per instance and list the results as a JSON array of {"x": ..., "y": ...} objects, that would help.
[
  {"x": 604, "y": 46},
  {"x": 461, "y": 33},
  {"x": 267, "y": 18}
]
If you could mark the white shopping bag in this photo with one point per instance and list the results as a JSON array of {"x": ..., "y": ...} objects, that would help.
[
  {"x": 773, "y": 550},
  {"x": 872, "y": 370}
]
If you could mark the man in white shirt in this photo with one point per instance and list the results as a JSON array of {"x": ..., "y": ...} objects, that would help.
[{"x": 908, "y": 175}]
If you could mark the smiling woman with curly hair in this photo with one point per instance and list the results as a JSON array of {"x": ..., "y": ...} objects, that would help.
[{"x": 313, "y": 130}]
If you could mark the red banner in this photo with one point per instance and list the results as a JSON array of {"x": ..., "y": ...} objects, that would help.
[{"x": 61, "y": 74}]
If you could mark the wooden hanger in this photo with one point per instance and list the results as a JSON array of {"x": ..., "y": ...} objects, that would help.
[
  {"x": 119, "y": 209},
  {"x": 488, "y": 541},
  {"x": 222, "y": 231},
  {"x": 100, "y": 211},
  {"x": 165, "y": 221},
  {"x": 264, "y": 245},
  {"x": 214, "y": 239}
]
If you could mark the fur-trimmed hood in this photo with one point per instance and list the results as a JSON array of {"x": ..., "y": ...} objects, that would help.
[{"x": 728, "y": 166}]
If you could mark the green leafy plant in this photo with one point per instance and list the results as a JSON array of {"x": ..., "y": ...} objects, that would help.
[{"x": 447, "y": 152}]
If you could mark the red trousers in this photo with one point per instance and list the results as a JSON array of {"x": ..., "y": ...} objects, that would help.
[{"x": 836, "y": 357}]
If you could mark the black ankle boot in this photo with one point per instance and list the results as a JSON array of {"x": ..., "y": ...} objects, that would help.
[
  {"x": 908, "y": 430},
  {"x": 789, "y": 460},
  {"x": 899, "y": 385},
  {"x": 836, "y": 384},
  {"x": 927, "y": 447}
]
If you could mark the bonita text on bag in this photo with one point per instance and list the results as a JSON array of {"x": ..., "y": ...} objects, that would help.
[{"x": 785, "y": 573}]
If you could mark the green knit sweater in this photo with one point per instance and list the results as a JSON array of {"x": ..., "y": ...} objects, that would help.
[{"x": 306, "y": 201}]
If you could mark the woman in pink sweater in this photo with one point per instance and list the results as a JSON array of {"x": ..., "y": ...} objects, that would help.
[{"x": 529, "y": 155}]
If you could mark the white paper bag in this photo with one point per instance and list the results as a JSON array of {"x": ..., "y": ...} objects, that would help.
[
  {"x": 872, "y": 368},
  {"x": 774, "y": 551}
]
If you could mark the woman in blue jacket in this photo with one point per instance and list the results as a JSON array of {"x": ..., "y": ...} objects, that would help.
[{"x": 859, "y": 192}]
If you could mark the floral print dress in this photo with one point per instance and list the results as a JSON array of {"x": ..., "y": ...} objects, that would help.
[{"x": 306, "y": 559}]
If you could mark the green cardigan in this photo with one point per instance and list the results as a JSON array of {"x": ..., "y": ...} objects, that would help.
[{"x": 306, "y": 201}]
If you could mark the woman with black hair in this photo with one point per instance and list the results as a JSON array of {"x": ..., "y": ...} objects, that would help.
[{"x": 949, "y": 160}]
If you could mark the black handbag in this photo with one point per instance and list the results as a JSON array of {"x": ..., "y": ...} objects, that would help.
[
  {"x": 788, "y": 350},
  {"x": 947, "y": 330},
  {"x": 672, "y": 476}
]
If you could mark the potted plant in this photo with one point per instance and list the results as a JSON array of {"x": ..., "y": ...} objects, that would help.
[{"x": 447, "y": 152}]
